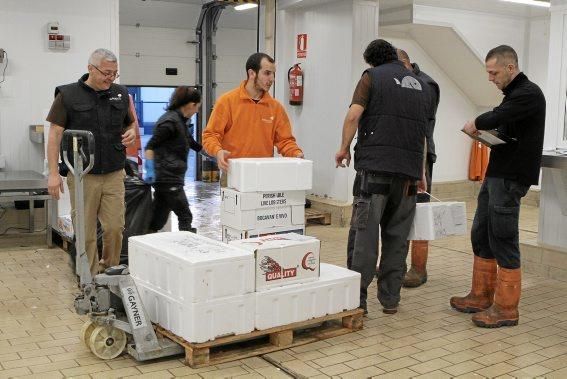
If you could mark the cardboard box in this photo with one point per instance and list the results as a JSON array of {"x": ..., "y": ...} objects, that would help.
[
  {"x": 438, "y": 220},
  {"x": 231, "y": 234},
  {"x": 270, "y": 174},
  {"x": 283, "y": 259}
]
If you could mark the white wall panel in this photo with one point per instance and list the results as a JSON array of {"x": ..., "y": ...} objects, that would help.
[
  {"x": 482, "y": 30},
  {"x": 34, "y": 71},
  {"x": 337, "y": 34}
]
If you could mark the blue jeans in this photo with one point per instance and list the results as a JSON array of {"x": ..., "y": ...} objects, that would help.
[{"x": 494, "y": 233}]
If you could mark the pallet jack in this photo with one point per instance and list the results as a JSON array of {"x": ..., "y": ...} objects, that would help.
[{"x": 117, "y": 318}]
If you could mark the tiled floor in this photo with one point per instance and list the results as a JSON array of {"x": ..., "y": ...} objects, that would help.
[{"x": 426, "y": 338}]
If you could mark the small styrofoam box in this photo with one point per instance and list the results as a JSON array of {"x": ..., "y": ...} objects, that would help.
[
  {"x": 270, "y": 174},
  {"x": 438, "y": 220},
  {"x": 337, "y": 290},
  {"x": 189, "y": 267},
  {"x": 283, "y": 259},
  {"x": 232, "y": 234},
  {"x": 199, "y": 322},
  {"x": 264, "y": 217}
]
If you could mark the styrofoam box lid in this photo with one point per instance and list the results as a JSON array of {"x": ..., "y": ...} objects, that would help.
[
  {"x": 190, "y": 247},
  {"x": 274, "y": 241}
]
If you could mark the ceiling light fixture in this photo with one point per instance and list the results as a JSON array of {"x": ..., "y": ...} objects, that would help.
[
  {"x": 537, "y": 3},
  {"x": 243, "y": 7}
]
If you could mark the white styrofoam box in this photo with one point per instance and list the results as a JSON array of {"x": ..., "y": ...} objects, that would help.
[
  {"x": 189, "y": 267},
  {"x": 232, "y": 234},
  {"x": 337, "y": 289},
  {"x": 232, "y": 200},
  {"x": 264, "y": 217},
  {"x": 270, "y": 174},
  {"x": 437, "y": 220},
  {"x": 283, "y": 259},
  {"x": 199, "y": 322}
]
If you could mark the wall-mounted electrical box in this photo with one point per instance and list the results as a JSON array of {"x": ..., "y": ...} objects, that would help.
[{"x": 55, "y": 40}]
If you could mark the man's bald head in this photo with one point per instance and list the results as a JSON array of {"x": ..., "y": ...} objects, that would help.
[{"x": 404, "y": 58}]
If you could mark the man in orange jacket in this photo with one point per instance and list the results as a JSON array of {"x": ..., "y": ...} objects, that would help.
[{"x": 247, "y": 121}]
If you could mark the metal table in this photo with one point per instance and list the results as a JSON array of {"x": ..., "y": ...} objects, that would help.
[{"x": 22, "y": 186}]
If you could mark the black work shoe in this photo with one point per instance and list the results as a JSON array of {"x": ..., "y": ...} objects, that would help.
[
  {"x": 364, "y": 308},
  {"x": 390, "y": 311}
]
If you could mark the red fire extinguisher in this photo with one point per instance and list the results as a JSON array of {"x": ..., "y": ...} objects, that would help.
[{"x": 295, "y": 79}]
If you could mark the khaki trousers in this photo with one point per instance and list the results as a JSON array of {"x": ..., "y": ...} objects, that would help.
[{"x": 104, "y": 201}]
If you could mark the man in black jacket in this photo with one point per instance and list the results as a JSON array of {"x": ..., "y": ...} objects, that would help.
[
  {"x": 389, "y": 111},
  {"x": 513, "y": 167},
  {"x": 96, "y": 104},
  {"x": 417, "y": 274}
]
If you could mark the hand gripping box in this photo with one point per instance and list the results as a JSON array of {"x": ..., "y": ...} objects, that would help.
[
  {"x": 438, "y": 220},
  {"x": 283, "y": 259},
  {"x": 260, "y": 210},
  {"x": 270, "y": 174},
  {"x": 337, "y": 289},
  {"x": 199, "y": 322},
  {"x": 190, "y": 268},
  {"x": 231, "y": 234}
]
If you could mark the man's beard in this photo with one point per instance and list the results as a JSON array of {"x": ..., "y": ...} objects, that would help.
[{"x": 257, "y": 86}]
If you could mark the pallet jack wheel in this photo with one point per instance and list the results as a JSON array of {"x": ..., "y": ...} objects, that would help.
[
  {"x": 86, "y": 331},
  {"x": 107, "y": 342}
]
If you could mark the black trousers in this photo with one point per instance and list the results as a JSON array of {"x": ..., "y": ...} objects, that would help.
[
  {"x": 393, "y": 213},
  {"x": 421, "y": 198},
  {"x": 494, "y": 233},
  {"x": 167, "y": 198}
]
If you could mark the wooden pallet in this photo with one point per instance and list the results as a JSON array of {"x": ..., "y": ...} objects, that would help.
[
  {"x": 320, "y": 217},
  {"x": 258, "y": 342}
]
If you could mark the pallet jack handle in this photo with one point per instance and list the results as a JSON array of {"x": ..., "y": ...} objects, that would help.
[{"x": 87, "y": 143}]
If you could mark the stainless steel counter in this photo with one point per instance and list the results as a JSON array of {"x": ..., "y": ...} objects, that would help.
[
  {"x": 22, "y": 181},
  {"x": 25, "y": 185},
  {"x": 554, "y": 159}
]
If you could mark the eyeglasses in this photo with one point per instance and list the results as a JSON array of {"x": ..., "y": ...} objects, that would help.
[{"x": 114, "y": 75}]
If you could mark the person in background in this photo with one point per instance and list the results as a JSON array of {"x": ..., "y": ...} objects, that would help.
[
  {"x": 512, "y": 168},
  {"x": 96, "y": 104},
  {"x": 417, "y": 274},
  {"x": 247, "y": 121},
  {"x": 389, "y": 111},
  {"x": 166, "y": 159}
]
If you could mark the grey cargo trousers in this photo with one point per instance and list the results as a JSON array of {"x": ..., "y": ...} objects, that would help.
[{"x": 392, "y": 211}]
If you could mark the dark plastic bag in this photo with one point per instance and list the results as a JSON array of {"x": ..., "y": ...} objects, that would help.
[{"x": 138, "y": 198}]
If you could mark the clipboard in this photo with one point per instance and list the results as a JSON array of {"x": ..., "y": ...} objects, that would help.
[{"x": 491, "y": 138}]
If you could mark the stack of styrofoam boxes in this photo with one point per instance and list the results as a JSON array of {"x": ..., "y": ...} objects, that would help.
[
  {"x": 193, "y": 286},
  {"x": 264, "y": 196},
  {"x": 291, "y": 285}
]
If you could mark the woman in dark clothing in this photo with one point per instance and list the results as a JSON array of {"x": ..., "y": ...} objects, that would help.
[{"x": 166, "y": 159}]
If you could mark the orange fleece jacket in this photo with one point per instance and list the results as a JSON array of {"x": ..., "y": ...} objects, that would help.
[{"x": 247, "y": 129}]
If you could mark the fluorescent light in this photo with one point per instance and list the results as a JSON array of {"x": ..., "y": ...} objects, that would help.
[
  {"x": 537, "y": 3},
  {"x": 242, "y": 7}
]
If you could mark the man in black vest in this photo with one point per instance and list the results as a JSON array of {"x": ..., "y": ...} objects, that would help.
[
  {"x": 512, "y": 168},
  {"x": 96, "y": 104},
  {"x": 417, "y": 274},
  {"x": 389, "y": 111}
]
